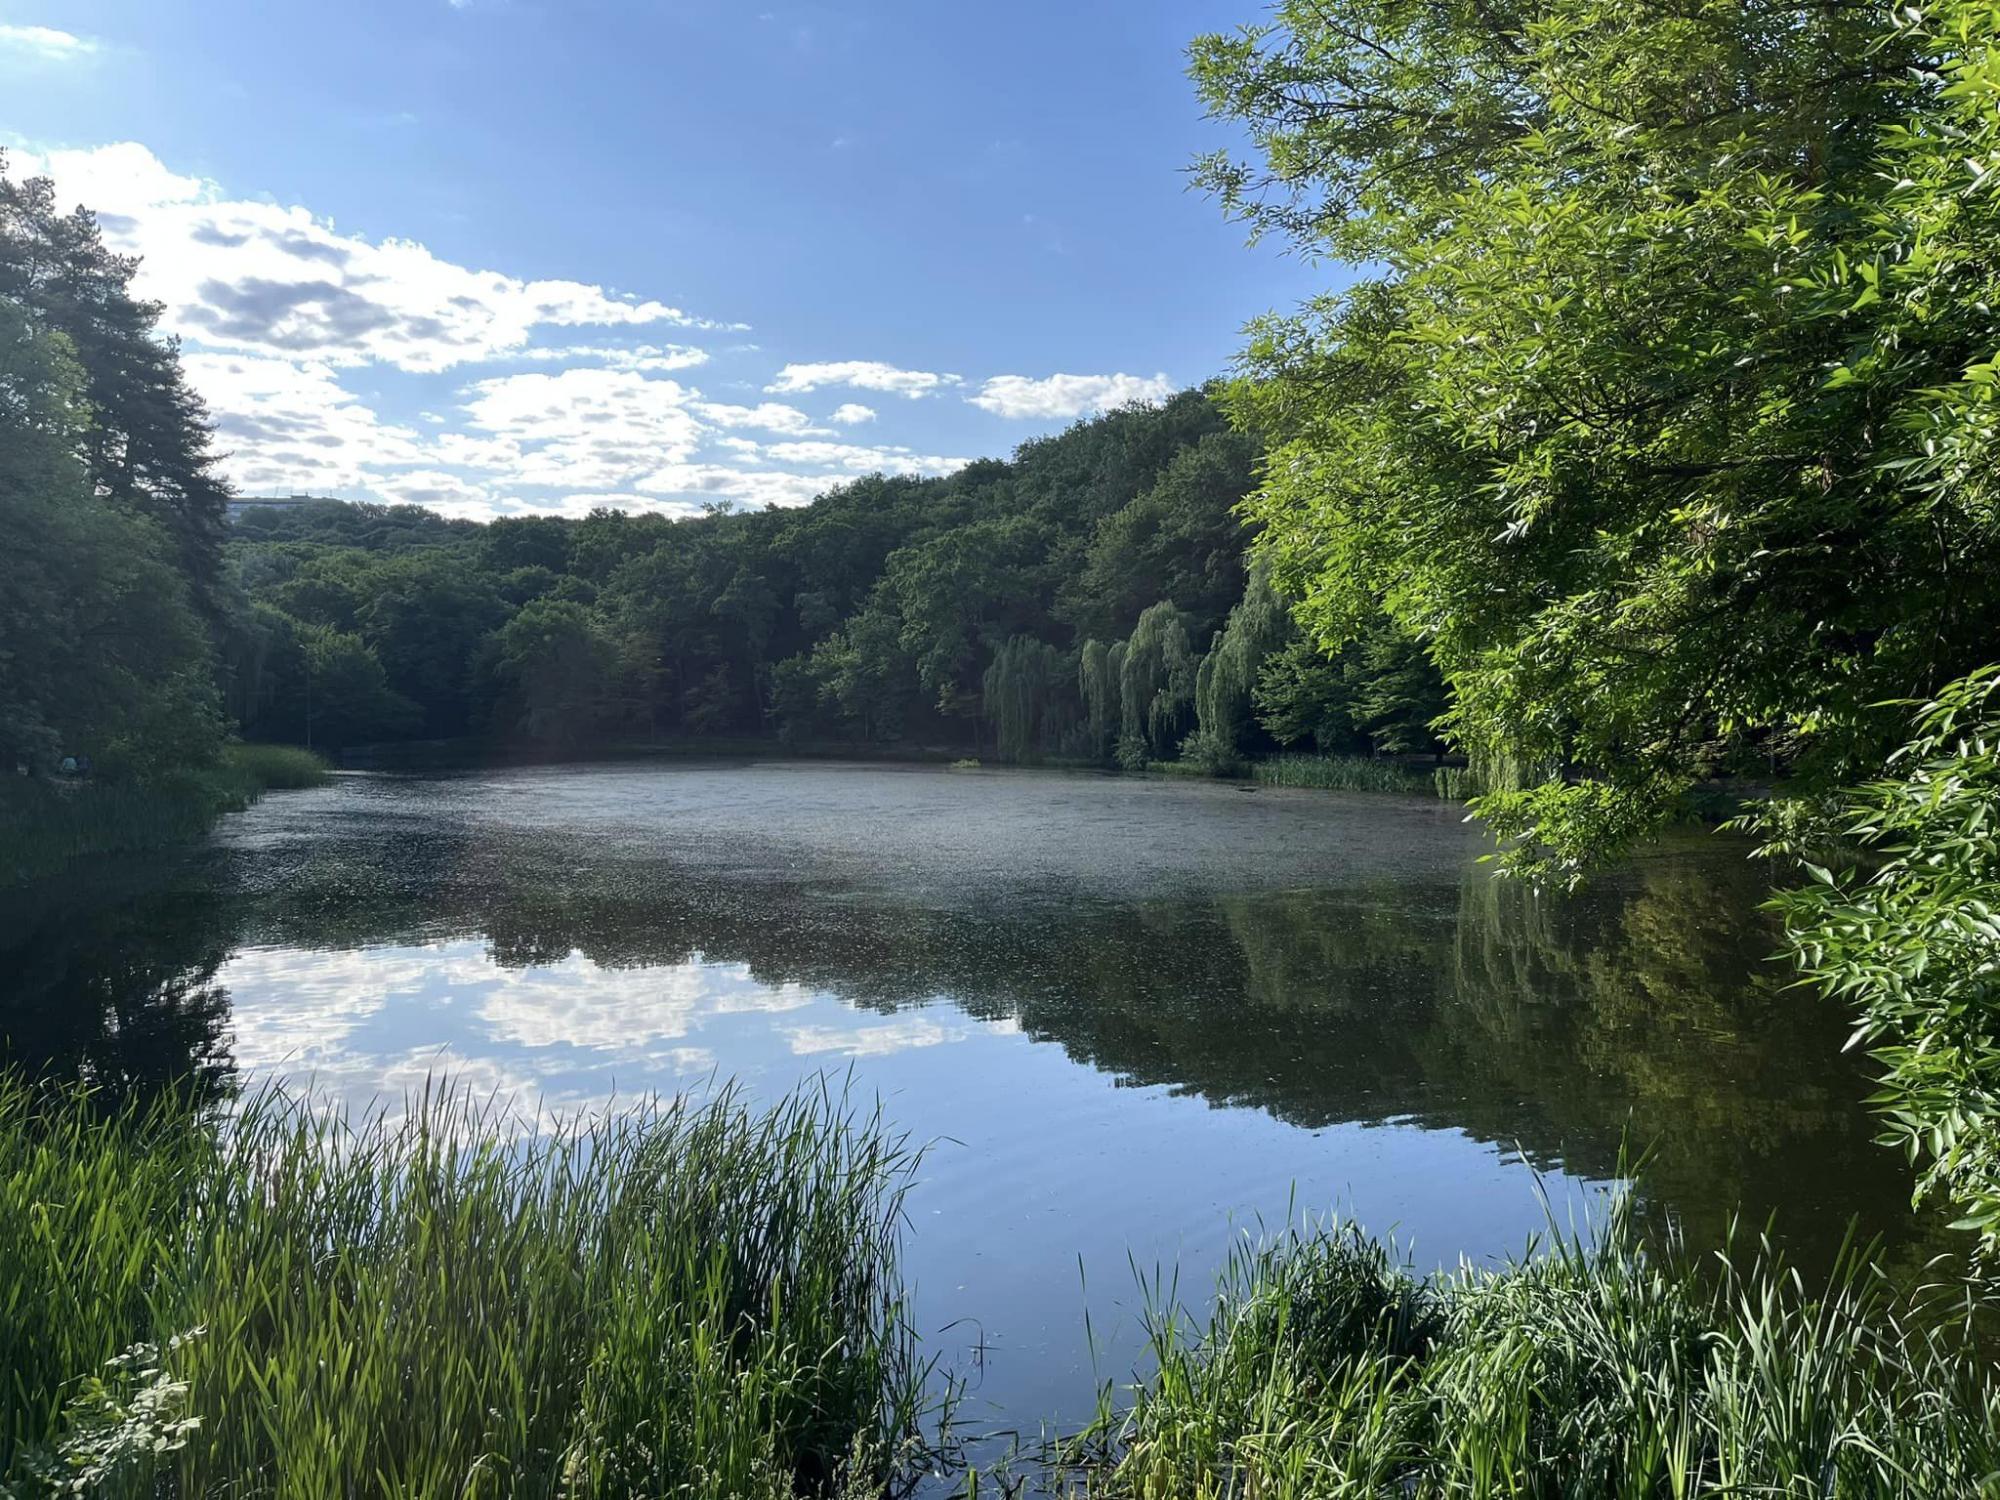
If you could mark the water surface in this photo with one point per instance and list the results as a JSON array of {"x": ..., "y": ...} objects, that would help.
[{"x": 1137, "y": 1018}]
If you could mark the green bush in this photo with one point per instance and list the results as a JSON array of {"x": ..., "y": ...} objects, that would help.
[{"x": 687, "y": 1299}]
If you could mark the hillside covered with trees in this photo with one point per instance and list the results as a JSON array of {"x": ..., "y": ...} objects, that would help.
[{"x": 1089, "y": 600}]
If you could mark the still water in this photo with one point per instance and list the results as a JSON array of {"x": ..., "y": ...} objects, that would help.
[{"x": 1136, "y": 1019}]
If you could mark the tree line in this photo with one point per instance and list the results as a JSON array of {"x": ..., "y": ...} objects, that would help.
[{"x": 1089, "y": 600}]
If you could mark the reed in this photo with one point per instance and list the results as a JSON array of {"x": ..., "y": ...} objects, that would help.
[
  {"x": 1340, "y": 773},
  {"x": 273, "y": 768},
  {"x": 1327, "y": 1369},
  {"x": 47, "y": 824},
  {"x": 684, "y": 1298}
]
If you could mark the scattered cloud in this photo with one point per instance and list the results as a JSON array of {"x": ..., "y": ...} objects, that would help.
[
  {"x": 648, "y": 357},
  {"x": 862, "y": 374},
  {"x": 289, "y": 425},
  {"x": 45, "y": 43},
  {"x": 335, "y": 362},
  {"x": 1066, "y": 396},
  {"x": 769, "y": 416},
  {"x": 856, "y": 458},
  {"x": 583, "y": 428},
  {"x": 265, "y": 278},
  {"x": 755, "y": 488}
]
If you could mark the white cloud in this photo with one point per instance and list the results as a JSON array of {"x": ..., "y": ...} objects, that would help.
[
  {"x": 286, "y": 425},
  {"x": 332, "y": 363},
  {"x": 265, "y": 278},
  {"x": 45, "y": 42},
  {"x": 768, "y": 416},
  {"x": 447, "y": 493},
  {"x": 862, "y": 374},
  {"x": 120, "y": 181},
  {"x": 751, "y": 487},
  {"x": 1065, "y": 396},
  {"x": 653, "y": 358},
  {"x": 584, "y": 429},
  {"x": 859, "y": 459}
]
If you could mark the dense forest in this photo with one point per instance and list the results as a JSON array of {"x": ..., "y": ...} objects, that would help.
[{"x": 1088, "y": 600}]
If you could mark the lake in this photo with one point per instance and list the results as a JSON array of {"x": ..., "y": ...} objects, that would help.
[{"x": 1137, "y": 1019}]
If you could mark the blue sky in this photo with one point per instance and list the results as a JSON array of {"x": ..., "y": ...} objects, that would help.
[{"x": 506, "y": 255}]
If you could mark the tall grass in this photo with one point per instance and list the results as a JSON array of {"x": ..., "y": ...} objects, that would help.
[
  {"x": 1328, "y": 1370},
  {"x": 45, "y": 825},
  {"x": 1340, "y": 773},
  {"x": 688, "y": 1299},
  {"x": 270, "y": 768}
]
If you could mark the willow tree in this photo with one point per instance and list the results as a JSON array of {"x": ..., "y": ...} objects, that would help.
[
  {"x": 1226, "y": 681},
  {"x": 1021, "y": 690},
  {"x": 1100, "y": 672},
  {"x": 1155, "y": 687}
]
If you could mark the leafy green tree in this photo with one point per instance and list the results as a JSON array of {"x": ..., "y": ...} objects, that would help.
[
  {"x": 1226, "y": 681},
  {"x": 1025, "y": 697},
  {"x": 866, "y": 674},
  {"x": 959, "y": 595},
  {"x": 424, "y": 615},
  {"x": 1910, "y": 938},
  {"x": 307, "y": 684},
  {"x": 1397, "y": 694},
  {"x": 146, "y": 443},
  {"x": 526, "y": 542},
  {"x": 328, "y": 586},
  {"x": 1302, "y": 697},
  {"x": 1100, "y": 684},
  {"x": 1624, "y": 429},
  {"x": 550, "y": 670},
  {"x": 101, "y": 652},
  {"x": 1179, "y": 540}
]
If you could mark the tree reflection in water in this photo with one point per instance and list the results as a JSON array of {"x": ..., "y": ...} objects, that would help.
[{"x": 1640, "y": 1013}]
